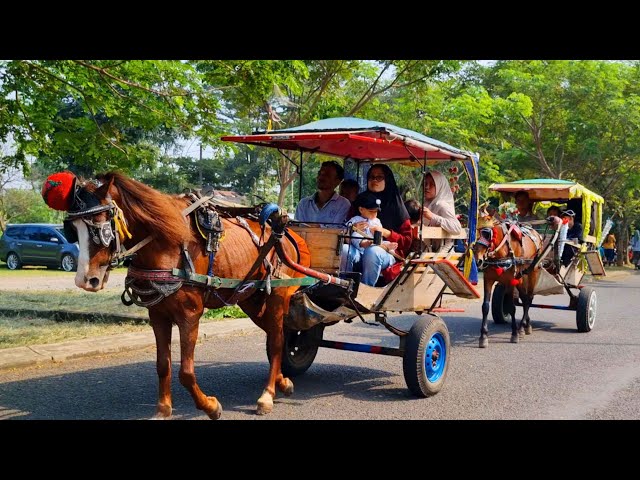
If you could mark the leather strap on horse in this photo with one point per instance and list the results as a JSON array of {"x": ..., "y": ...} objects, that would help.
[{"x": 241, "y": 288}]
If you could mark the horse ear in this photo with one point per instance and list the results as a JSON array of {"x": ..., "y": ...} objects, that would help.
[{"x": 105, "y": 188}]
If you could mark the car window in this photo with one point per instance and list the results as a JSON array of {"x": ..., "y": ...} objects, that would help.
[
  {"x": 12, "y": 232},
  {"x": 60, "y": 231},
  {"x": 15, "y": 232},
  {"x": 31, "y": 233},
  {"x": 47, "y": 233}
]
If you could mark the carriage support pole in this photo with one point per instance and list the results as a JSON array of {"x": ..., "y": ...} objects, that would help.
[{"x": 357, "y": 347}]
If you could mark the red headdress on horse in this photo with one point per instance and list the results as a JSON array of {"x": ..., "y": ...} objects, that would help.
[{"x": 58, "y": 190}]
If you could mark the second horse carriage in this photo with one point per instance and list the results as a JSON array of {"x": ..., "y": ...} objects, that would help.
[
  {"x": 555, "y": 277},
  {"x": 424, "y": 277}
]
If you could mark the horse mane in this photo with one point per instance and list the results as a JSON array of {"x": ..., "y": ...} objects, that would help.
[{"x": 157, "y": 212}]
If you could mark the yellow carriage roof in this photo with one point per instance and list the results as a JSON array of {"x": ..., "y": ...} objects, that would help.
[{"x": 540, "y": 189}]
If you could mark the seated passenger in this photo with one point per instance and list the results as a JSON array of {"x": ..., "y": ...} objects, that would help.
[
  {"x": 396, "y": 228},
  {"x": 349, "y": 189},
  {"x": 414, "y": 209},
  {"x": 553, "y": 211},
  {"x": 574, "y": 234},
  {"x": 325, "y": 205},
  {"x": 368, "y": 206},
  {"x": 439, "y": 209},
  {"x": 525, "y": 207}
]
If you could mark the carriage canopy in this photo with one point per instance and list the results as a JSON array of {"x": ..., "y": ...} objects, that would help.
[
  {"x": 551, "y": 189},
  {"x": 358, "y": 139}
]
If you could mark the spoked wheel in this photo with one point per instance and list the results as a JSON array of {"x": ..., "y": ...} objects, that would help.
[
  {"x": 426, "y": 356},
  {"x": 300, "y": 349},
  {"x": 587, "y": 308},
  {"x": 13, "y": 261},
  {"x": 501, "y": 305}
]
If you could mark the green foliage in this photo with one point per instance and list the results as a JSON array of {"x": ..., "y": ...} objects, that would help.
[
  {"x": 104, "y": 114},
  {"x": 25, "y": 206}
]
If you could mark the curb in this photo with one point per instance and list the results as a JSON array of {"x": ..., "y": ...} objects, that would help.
[{"x": 59, "y": 352}]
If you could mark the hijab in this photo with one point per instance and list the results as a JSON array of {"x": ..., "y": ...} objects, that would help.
[
  {"x": 443, "y": 201},
  {"x": 392, "y": 213}
]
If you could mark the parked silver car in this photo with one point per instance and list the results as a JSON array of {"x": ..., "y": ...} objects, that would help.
[{"x": 38, "y": 244}]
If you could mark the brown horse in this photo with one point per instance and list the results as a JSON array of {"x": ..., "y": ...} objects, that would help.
[
  {"x": 506, "y": 252},
  {"x": 156, "y": 225}
]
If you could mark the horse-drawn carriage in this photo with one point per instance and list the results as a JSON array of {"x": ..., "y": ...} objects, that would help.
[
  {"x": 556, "y": 278},
  {"x": 424, "y": 276},
  {"x": 185, "y": 254}
]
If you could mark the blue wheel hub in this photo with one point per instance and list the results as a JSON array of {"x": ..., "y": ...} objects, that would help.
[{"x": 435, "y": 357}]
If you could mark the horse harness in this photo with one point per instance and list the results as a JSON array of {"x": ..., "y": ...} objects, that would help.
[
  {"x": 162, "y": 283},
  {"x": 509, "y": 231}
]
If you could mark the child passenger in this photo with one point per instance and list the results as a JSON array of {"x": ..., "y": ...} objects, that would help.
[{"x": 367, "y": 222}]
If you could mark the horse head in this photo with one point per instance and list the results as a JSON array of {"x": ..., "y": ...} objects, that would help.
[
  {"x": 104, "y": 230},
  {"x": 487, "y": 239}
]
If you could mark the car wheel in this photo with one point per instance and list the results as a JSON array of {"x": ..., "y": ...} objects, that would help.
[
  {"x": 68, "y": 263},
  {"x": 13, "y": 261}
]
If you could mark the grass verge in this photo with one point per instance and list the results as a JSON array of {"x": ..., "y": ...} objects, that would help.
[{"x": 41, "y": 317}]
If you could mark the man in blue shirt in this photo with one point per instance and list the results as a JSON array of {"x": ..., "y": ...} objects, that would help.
[{"x": 325, "y": 206}]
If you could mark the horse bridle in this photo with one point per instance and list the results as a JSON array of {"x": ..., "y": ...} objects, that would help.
[{"x": 105, "y": 233}]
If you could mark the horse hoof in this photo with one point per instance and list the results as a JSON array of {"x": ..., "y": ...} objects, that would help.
[
  {"x": 163, "y": 412},
  {"x": 265, "y": 404},
  {"x": 159, "y": 416},
  {"x": 214, "y": 413},
  {"x": 287, "y": 390},
  {"x": 528, "y": 330},
  {"x": 484, "y": 342},
  {"x": 521, "y": 333},
  {"x": 514, "y": 338}
]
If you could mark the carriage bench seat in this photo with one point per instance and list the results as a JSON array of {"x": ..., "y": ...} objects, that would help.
[{"x": 451, "y": 276}]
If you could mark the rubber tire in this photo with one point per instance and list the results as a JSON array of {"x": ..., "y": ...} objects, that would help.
[
  {"x": 500, "y": 305},
  {"x": 585, "y": 318},
  {"x": 68, "y": 263},
  {"x": 297, "y": 361},
  {"x": 417, "y": 344},
  {"x": 13, "y": 261}
]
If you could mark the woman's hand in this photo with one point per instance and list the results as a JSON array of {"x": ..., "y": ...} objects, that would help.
[
  {"x": 385, "y": 232},
  {"x": 427, "y": 214},
  {"x": 390, "y": 246}
]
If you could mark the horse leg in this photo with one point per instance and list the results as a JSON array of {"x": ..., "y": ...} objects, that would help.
[
  {"x": 188, "y": 327},
  {"x": 270, "y": 319},
  {"x": 514, "y": 322},
  {"x": 484, "y": 331},
  {"x": 527, "y": 300},
  {"x": 162, "y": 330}
]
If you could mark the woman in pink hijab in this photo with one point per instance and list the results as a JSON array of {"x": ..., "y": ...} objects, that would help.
[{"x": 439, "y": 206}]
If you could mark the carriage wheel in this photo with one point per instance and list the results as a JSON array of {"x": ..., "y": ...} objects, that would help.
[
  {"x": 300, "y": 349},
  {"x": 426, "y": 356},
  {"x": 501, "y": 305},
  {"x": 586, "y": 309}
]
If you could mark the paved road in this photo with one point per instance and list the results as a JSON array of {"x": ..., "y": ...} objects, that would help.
[{"x": 556, "y": 373}]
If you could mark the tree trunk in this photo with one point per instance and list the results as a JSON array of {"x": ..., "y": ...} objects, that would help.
[{"x": 622, "y": 242}]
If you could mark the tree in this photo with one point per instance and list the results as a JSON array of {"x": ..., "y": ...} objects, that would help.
[
  {"x": 101, "y": 114},
  {"x": 25, "y": 206},
  {"x": 312, "y": 90}
]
